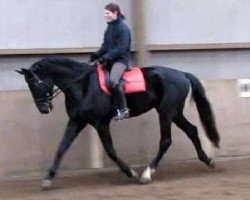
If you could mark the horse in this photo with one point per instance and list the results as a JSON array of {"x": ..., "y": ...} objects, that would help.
[{"x": 166, "y": 90}]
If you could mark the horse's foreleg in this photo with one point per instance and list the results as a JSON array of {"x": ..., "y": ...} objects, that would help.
[
  {"x": 104, "y": 134},
  {"x": 192, "y": 133},
  {"x": 72, "y": 131},
  {"x": 165, "y": 142}
]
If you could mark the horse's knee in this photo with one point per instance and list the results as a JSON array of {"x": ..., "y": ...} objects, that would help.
[
  {"x": 168, "y": 143},
  {"x": 165, "y": 144}
]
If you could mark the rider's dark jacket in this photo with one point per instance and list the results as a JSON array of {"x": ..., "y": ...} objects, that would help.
[{"x": 117, "y": 42}]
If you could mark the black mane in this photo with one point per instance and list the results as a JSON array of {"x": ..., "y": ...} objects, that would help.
[{"x": 59, "y": 64}]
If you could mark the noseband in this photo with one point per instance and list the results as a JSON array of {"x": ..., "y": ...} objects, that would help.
[{"x": 49, "y": 96}]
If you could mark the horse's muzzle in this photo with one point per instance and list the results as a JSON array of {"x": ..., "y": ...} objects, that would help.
[{"x": 44, "y": 108}]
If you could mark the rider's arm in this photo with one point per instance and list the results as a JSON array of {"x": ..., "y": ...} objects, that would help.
[{"x": 123, "y": 44}]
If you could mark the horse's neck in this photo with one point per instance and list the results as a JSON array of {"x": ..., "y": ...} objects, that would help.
[{"x": 64, "y": 76}]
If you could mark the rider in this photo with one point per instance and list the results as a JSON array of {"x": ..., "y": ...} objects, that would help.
[{"x": 115, "y": 52}]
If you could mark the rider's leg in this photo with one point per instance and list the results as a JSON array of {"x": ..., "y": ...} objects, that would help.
[{"x": 116, "y": 73}]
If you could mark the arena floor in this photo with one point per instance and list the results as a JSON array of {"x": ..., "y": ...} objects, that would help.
[{"x": 230, "y": 180}]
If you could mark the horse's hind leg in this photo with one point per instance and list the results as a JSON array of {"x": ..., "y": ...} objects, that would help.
[
  {"x": 104, "y": 134},
  {"x": 192, "y": 133},
  {"x": 165, "y": 142},
  {"x": 72, "y": 131}
]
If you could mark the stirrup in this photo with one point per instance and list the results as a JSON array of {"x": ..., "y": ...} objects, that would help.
[{"x": 122, "y": 114}]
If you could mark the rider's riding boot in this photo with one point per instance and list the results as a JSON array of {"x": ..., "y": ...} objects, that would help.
[{"x": 121, "y": 103}]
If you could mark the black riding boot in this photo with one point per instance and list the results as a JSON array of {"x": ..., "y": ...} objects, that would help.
[{"x": 120, "y": 102}]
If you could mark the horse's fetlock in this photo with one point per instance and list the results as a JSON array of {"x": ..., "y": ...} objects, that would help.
[{"x": 51, "y": 174}]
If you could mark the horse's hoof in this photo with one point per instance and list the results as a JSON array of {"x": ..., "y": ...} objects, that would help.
[
  {"x": 211, "y": 164},
  {"x": 146, "y": 175},
  {"x": 145, "y": 180},
  {"x": 134, "y": 174},
  {"x": 46, "y": 184}
]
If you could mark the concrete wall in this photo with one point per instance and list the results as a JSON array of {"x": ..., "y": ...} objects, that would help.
[
  {"x": 227, "y": 64},
  {"x": 210, "y": 64},
  {"x": 28, "y": 140}
]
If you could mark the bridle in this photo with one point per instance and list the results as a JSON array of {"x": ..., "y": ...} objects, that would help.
[
  {"x": 49, "y": 96},
  {"x": 47, "y": 99}
]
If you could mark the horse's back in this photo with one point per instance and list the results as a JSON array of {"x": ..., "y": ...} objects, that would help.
[
  {"x": 167, "y": 76},
  {"x": 165, "y": 72}
]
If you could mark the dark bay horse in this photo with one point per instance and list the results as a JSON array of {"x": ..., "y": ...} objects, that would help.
[{"x": 167, "y": 90}]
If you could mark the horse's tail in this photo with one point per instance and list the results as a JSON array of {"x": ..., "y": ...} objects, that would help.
[{"x": 204, "y": 110}]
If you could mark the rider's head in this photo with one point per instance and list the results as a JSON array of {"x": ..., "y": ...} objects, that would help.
[{"x": 112, "y": 12}]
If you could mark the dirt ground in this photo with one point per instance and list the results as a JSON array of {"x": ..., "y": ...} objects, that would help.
[{"x": 230, "y": 180}]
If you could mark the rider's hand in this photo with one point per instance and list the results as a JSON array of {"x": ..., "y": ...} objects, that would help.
[
  {"x": 102, "y": 61},
  {"x": 93, "y": 57}
]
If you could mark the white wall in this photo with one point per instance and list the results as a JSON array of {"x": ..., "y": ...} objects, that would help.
[
  {"x": 80, "y": 23},
  {"x": 197, "y": 21},
  {"x": 53, "y": 24}
]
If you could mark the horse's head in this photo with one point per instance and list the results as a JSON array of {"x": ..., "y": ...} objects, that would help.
[{"x": 41, "y": 90}]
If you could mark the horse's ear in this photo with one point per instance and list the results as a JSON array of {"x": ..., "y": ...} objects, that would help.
[
  {"x": 19, "y": 71},
  {"x": 23, "y": 71}
]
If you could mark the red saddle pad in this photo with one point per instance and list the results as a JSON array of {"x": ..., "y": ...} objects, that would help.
[{"x": 133, "y": 80}]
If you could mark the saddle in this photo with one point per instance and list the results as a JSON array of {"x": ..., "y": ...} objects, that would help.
[{"x": 133, "y": 80}]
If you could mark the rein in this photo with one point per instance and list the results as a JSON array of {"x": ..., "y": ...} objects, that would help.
[{"x": 58, "y": 91}]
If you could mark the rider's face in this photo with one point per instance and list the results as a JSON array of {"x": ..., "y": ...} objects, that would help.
[{"x": 110, "y": 16}]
